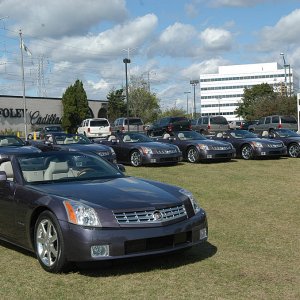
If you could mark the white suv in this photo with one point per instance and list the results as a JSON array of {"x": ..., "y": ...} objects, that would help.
[{"x": 94, "y": 128}]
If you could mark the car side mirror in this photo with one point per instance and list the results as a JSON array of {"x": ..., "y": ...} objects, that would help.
[
  {"x": 3, "y": 176},
  {"x": 121, "y": 167}
]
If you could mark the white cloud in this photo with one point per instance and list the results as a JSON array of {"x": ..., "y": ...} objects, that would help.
[
  {"x": 216, "y": 39},
  {"x": 285, "y": 32},
  {"x": 58, "y": 18},
  {"x": 235, "y": 3}
]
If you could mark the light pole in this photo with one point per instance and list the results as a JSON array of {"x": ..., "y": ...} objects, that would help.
[
  {"x": 127, "y": 61},
  {"x": 194, "y": 83},
  {"x": 284, "y": 65},
  {"x": 219, "y": 99},
  {"x": 187, "y": 102}
]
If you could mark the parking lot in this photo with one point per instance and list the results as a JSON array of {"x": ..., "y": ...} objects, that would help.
[{"x": 253, "y": 249}]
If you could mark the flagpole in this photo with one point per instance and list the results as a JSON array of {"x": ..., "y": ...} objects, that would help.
[{"x": 23, "y": 83}]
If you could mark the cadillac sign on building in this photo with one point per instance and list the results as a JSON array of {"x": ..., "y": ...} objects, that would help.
[{"x": 39, "y": 112}]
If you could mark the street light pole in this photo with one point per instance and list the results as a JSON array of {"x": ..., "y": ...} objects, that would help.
[
  {"x": 194, "y": 83},
  {"x": 127, "y": 61},
  {"x": 187, "y": 102},
  {"x": 219, "y": 99},
  {"x": 284, "y": 65}
]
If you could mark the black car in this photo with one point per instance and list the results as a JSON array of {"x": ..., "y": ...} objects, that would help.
[
  {"x": 248, "y": 145},
  {"x": 168, "y": 125},
  {"x": 138, "y": 149},
  {"x": 75, "y": 142},
  {"x": 49, "y": 129},
  {"x": 13, "y": 144},
  {"x": 195, "y": 147},
  {"x": 289, "y": 137},
  {"x": 70, "y": 206}
]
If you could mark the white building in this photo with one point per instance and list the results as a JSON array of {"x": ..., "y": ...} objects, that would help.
[{"x": 220, "y": 93}]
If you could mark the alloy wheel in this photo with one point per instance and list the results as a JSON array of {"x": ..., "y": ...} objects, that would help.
[
  {"x": 136, "y": 159},
  {"x": 294, "y": 150},
  {"x": 192, "y": 155},
  {"x": 247, "y": 152}
]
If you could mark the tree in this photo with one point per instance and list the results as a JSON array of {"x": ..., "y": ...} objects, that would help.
[
  {"x": 75, "y": 107},
  {"x": 173, "y": 112},
  {"x": 116, "y": 104},
  {"x": 251, "y": 98},
  {"x": 142, "y": 103}
]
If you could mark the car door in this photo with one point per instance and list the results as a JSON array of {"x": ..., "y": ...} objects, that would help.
[{"x": 7, "y": 203}]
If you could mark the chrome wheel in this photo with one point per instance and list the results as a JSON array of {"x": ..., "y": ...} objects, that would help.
[
  {"x": 49, "y": 245},
  {"x": 192, "y": 155},
  {"x": 294, "y": 150},
  {"x": 136, "y": 159},
  {"x": 247, "y": 152}
]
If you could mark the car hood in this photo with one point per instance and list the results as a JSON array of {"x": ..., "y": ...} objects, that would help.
[
  {"x": 155, "y": 145},
  {"x": 19, "y": 149},
  {"x": 209, "y": 142},
  {"x": 87, "y": 147},
  {"x": 264, "y": 141},
  {"x": 117, "y": 193}
]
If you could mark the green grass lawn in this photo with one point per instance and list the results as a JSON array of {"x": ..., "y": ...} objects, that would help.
[{"x": 253, "y": 251}]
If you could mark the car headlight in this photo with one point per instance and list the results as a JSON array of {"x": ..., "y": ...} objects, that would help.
[
  {"x": 147, "y": 150},
  {"x": 81, "y": 214},
  {"x": 203, "y": 147},
  {"x": 187, "y": 193},
  {"x": 258, "y": 144}
]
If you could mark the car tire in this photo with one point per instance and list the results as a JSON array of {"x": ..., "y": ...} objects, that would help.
[
  {"x": 49, "y": 243},
  {"x": 136, "y": 158},
  {"x": 247, "y": 152},
  {"x": 192, "y": 155},
  {"x": 294, "y": 150}
]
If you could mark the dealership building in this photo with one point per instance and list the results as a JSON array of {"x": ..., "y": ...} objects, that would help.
[
  {"x": 221, "y": 92},
  {"x": 39, "y": 112}
]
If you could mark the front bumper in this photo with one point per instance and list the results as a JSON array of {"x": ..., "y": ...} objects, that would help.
[
  {"x": 261, "y": 152},
  {"x": 217, "y": 154},
  {"x": 161, "y": 158},
  {"x": 128, "y": 242}
]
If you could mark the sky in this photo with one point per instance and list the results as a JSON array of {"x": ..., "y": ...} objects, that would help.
[{"x": 169, "y": 43}]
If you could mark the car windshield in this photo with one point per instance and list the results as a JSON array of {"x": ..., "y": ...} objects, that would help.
[
  {"x": 65, "y": 139},
  {"x": 98, "y": 123},
  {"x": 242, "y": 134},
  {"x": 218, "y": 121},
  {"x": 65, "y": 166},
  {"x": 189, "y": 135},
  {"x": 53, "y": 128},
  {"x": 287, "y": 133},
  {"x": 135, "y": 138},
  {"x": 10, "y": 141},
  {"x": 134, "y": 122}
]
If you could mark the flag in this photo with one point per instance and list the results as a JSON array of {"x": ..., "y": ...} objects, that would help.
[{"x": 26, "y": 49}]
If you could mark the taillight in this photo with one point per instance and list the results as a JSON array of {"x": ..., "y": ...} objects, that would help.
[
  {"x": 279, "y": 125},
  {"x": 89, "y": 129},
  {"x": 190, "y": 127},
  {"x": 123, "y": 128},
  {"x": 208, "y": 126}
]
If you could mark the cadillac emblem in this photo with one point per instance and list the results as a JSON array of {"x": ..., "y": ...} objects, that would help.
[{"x": 157, "y": 215}]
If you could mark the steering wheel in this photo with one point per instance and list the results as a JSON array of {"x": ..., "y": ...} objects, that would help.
[{"x": 85, "y": 171}]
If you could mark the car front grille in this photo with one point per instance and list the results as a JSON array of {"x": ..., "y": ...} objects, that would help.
[
  {"x": 274, "y": 145},
  {"x": 167, "y": 151},
  {"x": 219, "y": 148},
  {"x": 151, "y": 216}
]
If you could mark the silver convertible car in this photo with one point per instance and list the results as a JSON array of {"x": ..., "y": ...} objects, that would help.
[{"x": 76, "y": 207}]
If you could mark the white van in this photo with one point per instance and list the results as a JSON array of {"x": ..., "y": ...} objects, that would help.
[{"x": 95, "y": 128}]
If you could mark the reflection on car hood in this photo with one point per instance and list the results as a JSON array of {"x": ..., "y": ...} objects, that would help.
[
  {"x": 86, "y": 147},
  {"x": 209, "y": 142},
  {"x": 155, "y": 145},
  {"x": 19, "y": 149},
  {"x": 126, "y": 192},
  {"x": 264, "y": 141}
]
